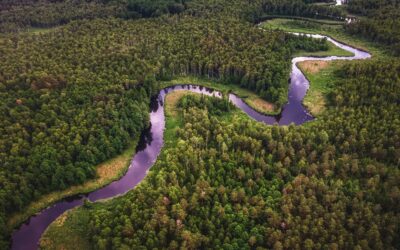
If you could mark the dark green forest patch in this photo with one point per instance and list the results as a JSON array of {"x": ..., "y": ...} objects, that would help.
[{"x": 235, "y": 183}]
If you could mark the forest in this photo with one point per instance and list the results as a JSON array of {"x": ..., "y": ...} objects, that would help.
[
  {"x": 300, "y": 8},
  {"x": 21, "y": 14},
  {"x": 47, "y": 78},
  {"x": 17, "y": 15},
  {"x": 232, "y": 183},
  {"x": 380, "y": 22},
  {"x": 77, "y": 92}
]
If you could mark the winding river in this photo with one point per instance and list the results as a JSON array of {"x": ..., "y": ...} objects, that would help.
[{"x": 28, "y": 235}]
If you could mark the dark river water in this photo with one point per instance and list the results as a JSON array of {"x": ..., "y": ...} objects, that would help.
[{"x": 28, "y": 235}]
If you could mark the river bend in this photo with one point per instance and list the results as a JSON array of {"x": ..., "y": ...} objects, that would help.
[{"x": 28, "y": 235}]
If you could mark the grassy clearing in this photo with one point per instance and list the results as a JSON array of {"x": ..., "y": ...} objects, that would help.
[
  {"x": 171, "y": 102},
  {"x": 69, "y": 231},
  {"x": 30, "y": 31},
  {"x": 313, "y": 67},
  {"x": 248, "y": 96},
  {"x": 40, "y": 30},
  {"x": 173, "y": 120},
  {"x": 260, "y": 104},
  {"x": 107, "y": 172},
  {"x": 312, "y": 20},
  {"x": 321, "y": 76},
  {"x": 334, "y": 31}
]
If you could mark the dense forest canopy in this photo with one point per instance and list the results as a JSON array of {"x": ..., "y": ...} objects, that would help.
[
  {"x": 41, "y": 14},
  {"x": 17, "y": 15},
  {"x": 237, "y": 184},
  {"x": 380, "y": 21},
  {"x": 75, "y": 95},
  {"x": 300, "y": 8},
  {"x": 143, "y": 8}
]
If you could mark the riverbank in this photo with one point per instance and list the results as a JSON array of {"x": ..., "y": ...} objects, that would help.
[
  {"x": 321, "y": 74},
  {"x": 248, "y": 96},
  {"x": 53, "y": 237},
  {"x": 107, "y": 172},
  {"x": 118, "y": 165},
  {"x": 224, "y": 88},
  {"x": 75, "y": 222},
  {"x": 332, "y": 51},
  {"x": 121, "y": 164},
  {"x": 334, "y": 31}
]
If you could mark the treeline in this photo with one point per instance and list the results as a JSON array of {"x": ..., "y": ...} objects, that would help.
[
  {"x": 238, "y": 184},
  {"x": 155, "y": 8},
  {"x": 18, "y": 15},
  {"x": 369, "y": 7},
  {"x": 75, "y": 96},
  {"x": 44, "y": 14},
  {"x": 214, "y": 105},
  {"x": 22, "y": 14},
  {"x": 380, "y": 23},
  {"x": 300, "y": 8},
  {"x": 306, "y": 43}
]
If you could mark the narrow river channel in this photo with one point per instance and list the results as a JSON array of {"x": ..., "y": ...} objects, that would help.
[{"x": 28, "y": 235}]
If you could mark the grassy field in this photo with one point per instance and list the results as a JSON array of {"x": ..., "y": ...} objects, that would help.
[
  {"x": 107, "y": 172},
  {"x": 69, "y": 231},
  {"x": 173, "y": 120},
  {"x": 313, "y": 20},
  {"x": 321, "y": 75},
  {"x": 41, "y": 30},
  {"x": 171, "y": 101}
]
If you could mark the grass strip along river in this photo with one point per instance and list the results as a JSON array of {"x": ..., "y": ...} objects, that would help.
[{"x": 152, "y": 140}]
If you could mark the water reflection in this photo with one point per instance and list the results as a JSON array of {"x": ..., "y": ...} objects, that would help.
[{"x": 151, "y": 142}]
